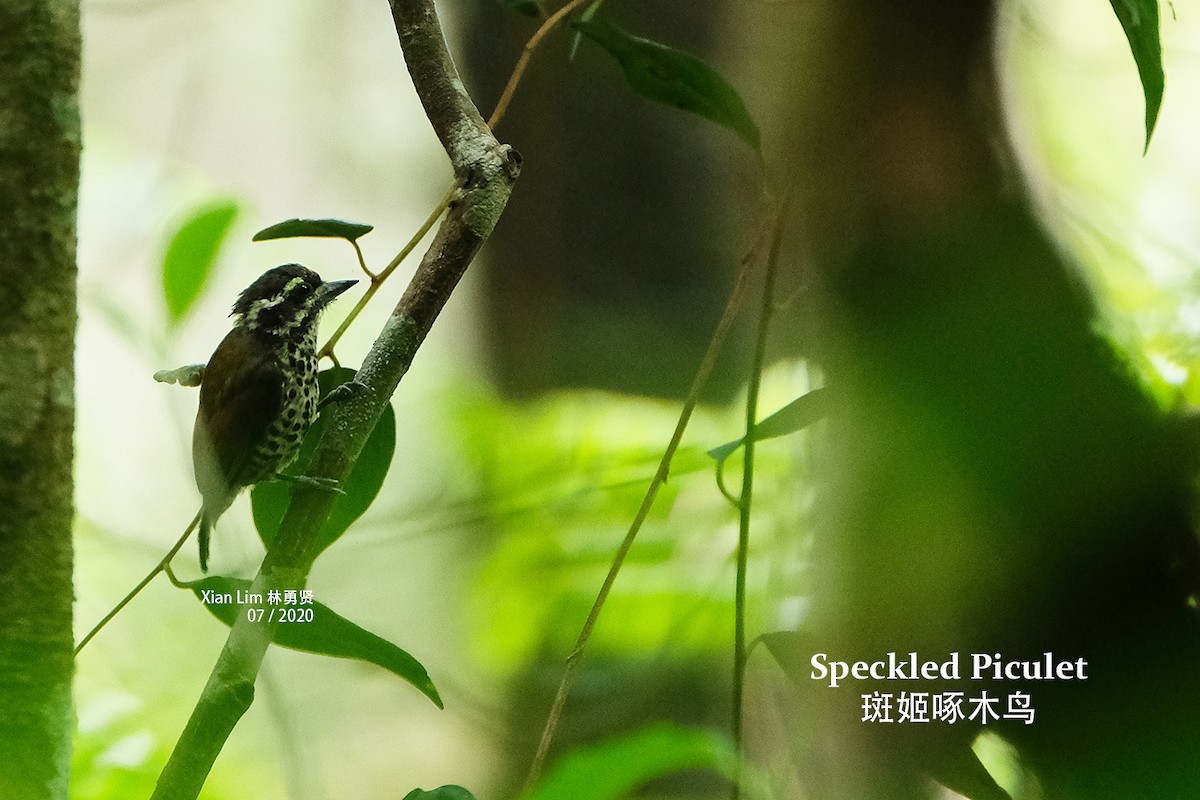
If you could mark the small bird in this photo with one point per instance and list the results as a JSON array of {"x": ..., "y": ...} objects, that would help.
[{"x": 258, "y": 394}]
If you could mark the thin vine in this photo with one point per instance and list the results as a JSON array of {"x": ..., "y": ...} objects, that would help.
[{"x": 744, "y": 500}]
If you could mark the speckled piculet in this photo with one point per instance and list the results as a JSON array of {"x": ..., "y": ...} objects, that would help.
[{"x": 259, "y": 390}]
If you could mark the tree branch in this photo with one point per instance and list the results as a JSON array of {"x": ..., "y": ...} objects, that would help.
[
  {"x": 455, "y": 120},
  {"x": 486, "y": 171}
]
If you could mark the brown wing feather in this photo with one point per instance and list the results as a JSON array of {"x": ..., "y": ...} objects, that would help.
[{"x": 247, "y": 388}]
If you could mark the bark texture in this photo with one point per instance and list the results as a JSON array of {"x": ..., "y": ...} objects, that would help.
[{"x": 39, "y": 176}]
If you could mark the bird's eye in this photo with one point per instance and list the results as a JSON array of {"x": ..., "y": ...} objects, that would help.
[{"x": 297, "y": 288}]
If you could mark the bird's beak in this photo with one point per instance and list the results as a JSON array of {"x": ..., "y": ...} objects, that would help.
[{"x": 331, "y": 289}]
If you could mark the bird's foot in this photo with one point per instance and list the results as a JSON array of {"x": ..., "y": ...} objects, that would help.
[
  {"x": 324, "y": 484},
  {"x": 343, "y": 391}
]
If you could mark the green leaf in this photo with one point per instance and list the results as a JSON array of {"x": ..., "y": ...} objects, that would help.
[
  {"x": 795, "y": 416},
  {"x": 1139, "y": 19},
  {"x": 613, "y": 769},
  {"x": 791, "y": 650},
  {"x": 328, "y": 634},
  {"x": 588, "y": 13},
  {"x": 191, "y": 254},
  {"x": 269, "y": 501},
  {"x": 675, "y": 78},
  {"x": 529, "y": 8},
  {"x": 449, "y": 792},
  {"x": 321, "y": 228}
]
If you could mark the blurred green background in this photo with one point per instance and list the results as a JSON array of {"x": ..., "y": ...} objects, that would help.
[{"x": 535, "y": 415}]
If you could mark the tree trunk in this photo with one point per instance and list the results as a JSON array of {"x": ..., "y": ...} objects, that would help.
[{"x": 39, "y": 176}]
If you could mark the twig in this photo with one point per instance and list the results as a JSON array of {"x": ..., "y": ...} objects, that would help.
[
  {"x": 162, "y": 565},
  {"x": 527, "y": 53},
  {"x": 377, "y": 279}
]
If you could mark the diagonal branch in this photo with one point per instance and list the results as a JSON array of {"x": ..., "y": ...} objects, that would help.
[
  {"x": 486, "y": 171},
  {"x": 454, "y": 118}
]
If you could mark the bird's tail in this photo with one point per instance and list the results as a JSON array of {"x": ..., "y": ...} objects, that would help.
[{"x": 205, "y": 536}]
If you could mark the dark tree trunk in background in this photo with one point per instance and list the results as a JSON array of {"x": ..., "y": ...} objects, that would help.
[
  {"x": 995, "y": 479},
  {"x": 39, "y": 175},
  {"x": 614, "y": 258}
]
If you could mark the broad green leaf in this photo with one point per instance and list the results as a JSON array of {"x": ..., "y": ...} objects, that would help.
[
  {"x": 321, "y": 228},
  {"x": 675, "y": 78},
  {"x": 611, "y": 770},
  {"x": 795, "y": 416},
  {"x": 1139, "y": 19},
  {"x": 529, "y": 8},
  {"x": 328, "y": 634},
  {"x": 270, "y": 500},
  {"x": 449, "y": 792},
  {"x": 191, "y": 254}
]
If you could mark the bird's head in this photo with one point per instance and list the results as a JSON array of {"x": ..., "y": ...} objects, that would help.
[{"x": 285, "y": 301}]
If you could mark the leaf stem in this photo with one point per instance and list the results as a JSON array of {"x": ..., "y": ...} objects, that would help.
[
  {"x": 362, "y": 262},
  {"x": 728, "y": 495}
]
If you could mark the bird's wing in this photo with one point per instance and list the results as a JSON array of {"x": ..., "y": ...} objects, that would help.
[{"x": 241, "y": 394}]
